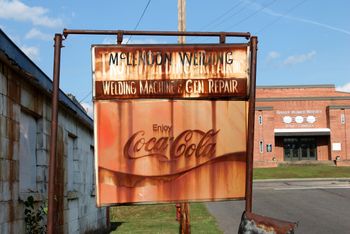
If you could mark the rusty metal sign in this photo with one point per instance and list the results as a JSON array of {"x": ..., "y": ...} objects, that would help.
[
  {"x": 170, "y": 72},
  {"x": 170, "y": 122}
]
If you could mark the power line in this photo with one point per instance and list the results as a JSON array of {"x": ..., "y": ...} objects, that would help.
[
  {"x": 221, "y": 16},
  {"x": 86, "y": 96},
  {"x": 138, "y": 22},
  {"x": 254, "y": 13},
  {"x": 231, "y": 15},
  {"x": 247, "y": 17},
  {"x": 282, "y": 15}
]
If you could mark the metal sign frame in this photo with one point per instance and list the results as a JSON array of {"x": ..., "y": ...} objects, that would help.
[{"x": 52, "y": 201}]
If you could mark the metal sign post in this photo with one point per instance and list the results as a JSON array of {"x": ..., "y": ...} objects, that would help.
[
  {"x": 178, "y": 83},
  {"x": 54, "y": 122},
  {"x": 251, "y": 121}
]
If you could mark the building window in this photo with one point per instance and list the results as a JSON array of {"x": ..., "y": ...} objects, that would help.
[
  {"x": 261, "y": 147},
  {"x": 260, "y": 119},
  {"x": 91, "y": 163},
  {"x": 268, "y": 147},
  {"x": 342, "y": 118},
  {"x": 27, "y": 153}
]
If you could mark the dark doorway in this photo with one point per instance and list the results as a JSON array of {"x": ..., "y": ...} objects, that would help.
[{"x": 299, "y": 148}]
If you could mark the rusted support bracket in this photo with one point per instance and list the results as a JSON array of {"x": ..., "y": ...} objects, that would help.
[
  {"x": 121, "y": 33},
  {"x": 120, "y": 37},
  {"x": 222, "y": 39}
]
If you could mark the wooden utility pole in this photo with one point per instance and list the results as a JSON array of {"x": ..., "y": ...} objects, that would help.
[{"x": 181, "y": 17}]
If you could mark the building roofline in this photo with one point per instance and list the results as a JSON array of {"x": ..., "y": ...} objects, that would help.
[
  {"x": 338, "y": 107},
  {"x": 262, "y": 108},
  {"x": 19, "y": 59},
  {"x": 295, "y": 86},
  {"x": 321, "y": 98}
]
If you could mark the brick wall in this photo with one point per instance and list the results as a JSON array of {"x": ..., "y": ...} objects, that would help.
[
  {"x": 25, "y": 115},
  {"x": 264, "y": 122},
  {"x": 340, "y": 140},
  {"x": 321, "y": 102}
]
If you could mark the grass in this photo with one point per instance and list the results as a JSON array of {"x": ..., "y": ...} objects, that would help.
[
  {"x": 160, "y": 218},
  {"x": 301, "y": 171}
]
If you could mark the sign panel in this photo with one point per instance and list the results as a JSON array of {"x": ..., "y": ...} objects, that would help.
[{"x": 170, "y": 122}]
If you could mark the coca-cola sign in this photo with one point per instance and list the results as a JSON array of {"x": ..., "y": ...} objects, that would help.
[
  {"x": 186, "y": 144},
  {"x": 170, "y": 122}
]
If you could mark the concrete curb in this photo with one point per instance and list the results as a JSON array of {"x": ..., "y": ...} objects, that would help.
[{"x": 301, "y": 179}]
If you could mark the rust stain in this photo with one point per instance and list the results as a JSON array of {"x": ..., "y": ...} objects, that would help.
[
  {"x": 38, "y": 103},
  {"x": 59, "y": 183},
  {"x": 13, "y": 92},
  {"x": 182, "y": 154},
  {"x": 184, "y": 186},
  {"x": 11, "y": 209},
  {"x": 132, "y": 180},
  {"x": 10, "y": 129},
  {"x": 267, "y": 224},
  {"x": 170, "y": 71},
  {"x": 179, "y": 89},
  {"x": 170, "y": 148}
]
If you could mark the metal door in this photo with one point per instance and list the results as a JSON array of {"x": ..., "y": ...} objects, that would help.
[{"x": 300, "y": 148}]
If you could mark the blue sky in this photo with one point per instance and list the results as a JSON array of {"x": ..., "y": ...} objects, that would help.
[{"x": 300, "y": 41}]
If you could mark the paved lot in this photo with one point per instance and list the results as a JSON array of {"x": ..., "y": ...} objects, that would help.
[{"x": 318, "y": 206}]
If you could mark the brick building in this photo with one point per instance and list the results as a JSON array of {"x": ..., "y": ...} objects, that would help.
[
  {"x": 302, "y": 122},
  {"x": 25, "y": 120}
]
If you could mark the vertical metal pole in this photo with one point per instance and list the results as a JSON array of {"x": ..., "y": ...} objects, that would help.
[
  {"x": 251, "y": 123},
  {"x": 54, "y": 116},
  {"x": 181, "y": 24},
  {"x": 185, "y": 226}
]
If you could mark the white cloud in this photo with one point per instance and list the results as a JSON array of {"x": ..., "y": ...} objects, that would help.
[
  {"x": 307, "y": 21},
  {"x": 37, "y": 34},
  {"x": 16, "y": 10},
  {"x": 272, "y": 56},
  {"x": 344, "y": 88},
  {"x": 271, "y": 12},
  {"x": 294, "y": 59},
  {"x": 31, "y": 51},
  {"x": 89, "y": 109}
]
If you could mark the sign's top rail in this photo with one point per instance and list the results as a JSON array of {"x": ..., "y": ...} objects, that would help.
[{"x": 120, "y": 33}]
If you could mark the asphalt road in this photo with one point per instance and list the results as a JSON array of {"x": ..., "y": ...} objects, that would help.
[{"x": 318, "y": 206}]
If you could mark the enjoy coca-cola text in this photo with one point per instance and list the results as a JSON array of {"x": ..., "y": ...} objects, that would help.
[{"x": 188, "y": 143}]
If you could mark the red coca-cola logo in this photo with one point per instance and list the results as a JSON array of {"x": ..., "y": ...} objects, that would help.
[{"x": 189, "y": 143}]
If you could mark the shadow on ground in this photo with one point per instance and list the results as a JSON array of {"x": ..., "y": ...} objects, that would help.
[{"x": 115, "y": 225}]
